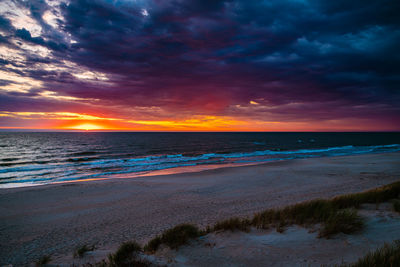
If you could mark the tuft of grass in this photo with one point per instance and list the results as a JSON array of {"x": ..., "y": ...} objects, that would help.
[
  {"x": 153, "y": 244},
  {"x": 233, "y": 224},
  {"x": 386, "y": 256},
  {"x": 377, "y": 195},
  {"x": 310, "y": 212},
  {"x": 208, "y": 230},
  {"x": 126, "y": 255},
  {"x": 281, "y": 228},
  {"x": 80, "y": 251},
  {"x": 344, "y": 221},
  {"x": 102, "y": 263},
  {"x": 396, "y": 205},
  {"x": 43, "y": 260},
  {"x": 174, "y": 237}
]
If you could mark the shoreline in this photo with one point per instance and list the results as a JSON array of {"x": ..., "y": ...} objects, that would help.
[
  {"x": 183, "y": 170},
  {"x": 54, "y": 219}
]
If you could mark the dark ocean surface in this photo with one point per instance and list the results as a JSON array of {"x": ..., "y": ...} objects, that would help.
[{"x": 41, "y": 158}]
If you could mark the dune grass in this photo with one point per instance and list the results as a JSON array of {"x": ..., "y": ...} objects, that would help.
[
  {"x": 232, "y": 224},
  {"x": 377, "y": 195},
  {"x": 43, "y": 260},
  {"x": 310, "y": 212},
  {"x": 81, "y": 251},
  {"x": 127, "y": 255},
  {"x": 386, "y": 256},
  {"x": 336, "y": 215},
  {"x": 174, "y": 237},
  {"x": 344, "y": 221},
  {"x": 327, "y": 212},
  {"x": 396, "y": 205}
]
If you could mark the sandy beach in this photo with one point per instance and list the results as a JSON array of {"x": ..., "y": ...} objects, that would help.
[{"x": 55, "y": 219}]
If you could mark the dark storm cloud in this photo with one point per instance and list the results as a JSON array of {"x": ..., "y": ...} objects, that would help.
[
  {"x": 208, "y": 56},
  {"x": 26, "y": 35},
  {"x": 4, "y": 23}
]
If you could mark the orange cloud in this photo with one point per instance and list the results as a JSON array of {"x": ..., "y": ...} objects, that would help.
[{"x": 88, "y": 122}]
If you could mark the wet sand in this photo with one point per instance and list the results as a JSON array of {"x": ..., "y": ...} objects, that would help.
[{"x": 54, "y": 219}]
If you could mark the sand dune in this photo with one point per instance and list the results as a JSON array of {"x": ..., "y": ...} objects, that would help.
[
  {"x": 296, "y": 246},
  {"x": 54, "y": 219}
]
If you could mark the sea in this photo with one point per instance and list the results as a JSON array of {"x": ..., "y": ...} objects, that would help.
[{"x": 36, "y": 158}]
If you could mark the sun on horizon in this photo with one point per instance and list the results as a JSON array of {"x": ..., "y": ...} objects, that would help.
[{"x": 87, "y": 127}]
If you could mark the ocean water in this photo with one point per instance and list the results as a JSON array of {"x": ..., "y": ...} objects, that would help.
[{"x": 42, "y": 158}]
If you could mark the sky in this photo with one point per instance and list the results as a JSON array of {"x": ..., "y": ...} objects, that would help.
[{"x": 200, "y": 65}]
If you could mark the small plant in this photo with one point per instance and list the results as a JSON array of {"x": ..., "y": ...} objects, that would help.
[
  {"x": 344, "y": 221},
  {"x": 396, "y": 205},
  {"x": 179, "y": 235},
  {"x": 102, "y": 263},
  {"x": 126, "y": 255},
  {"x": 43, "y": 260},
  {"x": 80, "y": 251},
  {"x": 281, "y": 228},
  {"x": 208, "y": 230},
  {"x": 174, "y": 237},
  {"x": 233, "y": 224},
  {"x": 386, "y": 256},
  {"x": 153, "y": 244}
]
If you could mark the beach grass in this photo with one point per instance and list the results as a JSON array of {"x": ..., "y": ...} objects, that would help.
[
  {"x": 333, "y": 219},
  {"x": 386, "y": 256},
  {"x": 336, "y": 215},
  {"x": 345, "y": 221},
  {"x": 233, "y": 224},
  {"x": 43, "y": 260},
  {"x": 127, "y": 255},
  {"x": 377, "y": 195},
  {"x": 306, "y": 213},
  {"x": 174, "y": 237},
  {"x": 396, "y": 205},
  {"x": 81, "y": 251}
]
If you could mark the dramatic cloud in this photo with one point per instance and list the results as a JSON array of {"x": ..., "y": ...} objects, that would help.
[{"x": 201, "y": 64}]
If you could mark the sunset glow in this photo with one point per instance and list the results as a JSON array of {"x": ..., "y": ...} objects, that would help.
[
  {"x": 86, "y": 122},
  {"x": 198, "y": 66},
  {"x": 86, "y": 127}
]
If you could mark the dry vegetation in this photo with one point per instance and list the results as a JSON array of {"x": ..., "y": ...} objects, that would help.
[{"x": 337, "y": 215}]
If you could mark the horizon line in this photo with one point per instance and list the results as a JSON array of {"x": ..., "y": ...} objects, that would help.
[{"x": 138, "y": 131}]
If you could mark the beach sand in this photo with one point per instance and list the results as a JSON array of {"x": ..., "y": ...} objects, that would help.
[
  {"x": 296, "y": 246},
  {"x": 55, "y": 219}
]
